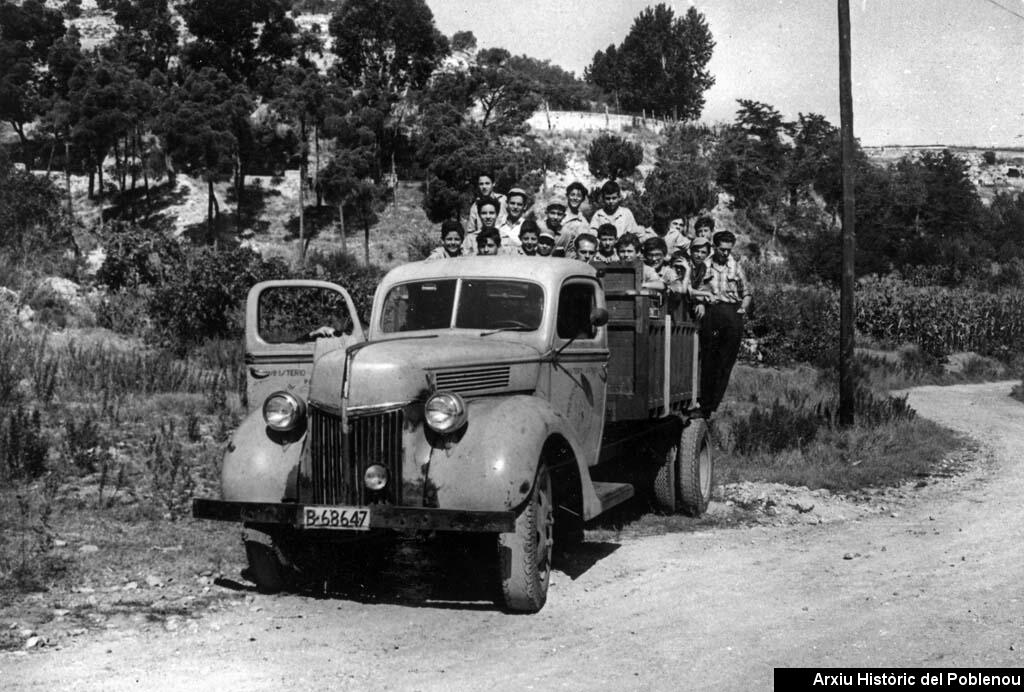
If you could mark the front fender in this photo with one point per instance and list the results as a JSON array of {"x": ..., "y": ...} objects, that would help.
[
  {"x": 261, "y": 465},
  {"x": 494, "y": 463}
]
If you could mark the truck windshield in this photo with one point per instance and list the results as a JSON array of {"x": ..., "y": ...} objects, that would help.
[{"x": 482, "y": 304}]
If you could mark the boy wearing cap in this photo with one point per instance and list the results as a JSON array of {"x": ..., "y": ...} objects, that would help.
[
  {"x": 452, "y": 237},
  {"x": 575, "y": 222},
  {"x": 485, "y": 190},
  {"x": 611, "y": 212},
  {"x": 553, "y": 215},
  {"x": 722, "y": 331},
  {"x": 697, "y": 268},
  {"x": 516, "y": 202},
  {"x": 546, "y": 244}
]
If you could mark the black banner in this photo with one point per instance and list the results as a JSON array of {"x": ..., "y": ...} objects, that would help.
[{"x": 899, "y": 678}]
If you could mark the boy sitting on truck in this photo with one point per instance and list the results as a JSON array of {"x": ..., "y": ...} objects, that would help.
[
  {"x": 607, "y": 236},
  {"x": 488, "y": 242},
  {"x": 452, "y": 237},
  {"x": 655, "y": 251},
  {"x": 529, "y": 235},
  {"x": 546, "y": 244},
  {"x": 628, "y": 250}
]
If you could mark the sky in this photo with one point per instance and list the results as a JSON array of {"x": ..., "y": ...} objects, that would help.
[{"x": 924, "y": 71}]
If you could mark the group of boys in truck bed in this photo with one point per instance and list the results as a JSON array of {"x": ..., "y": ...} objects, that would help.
[{"x": 697, "y": 264}]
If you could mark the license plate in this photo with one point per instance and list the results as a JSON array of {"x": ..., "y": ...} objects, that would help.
[{"x": 341, "y": 518}]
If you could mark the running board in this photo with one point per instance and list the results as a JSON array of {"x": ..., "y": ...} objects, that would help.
[{"x": 611, "y": 494}]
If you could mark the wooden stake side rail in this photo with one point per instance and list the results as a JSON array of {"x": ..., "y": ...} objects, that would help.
[{"x": 639, "y": 339}]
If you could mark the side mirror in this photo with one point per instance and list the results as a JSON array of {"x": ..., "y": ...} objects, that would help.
[{"x": 598, "y": 317}]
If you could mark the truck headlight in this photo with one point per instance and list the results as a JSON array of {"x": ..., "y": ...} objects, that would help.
[
  {"x": 283, "y": 411},
  {"x": 445, "y": 412}
]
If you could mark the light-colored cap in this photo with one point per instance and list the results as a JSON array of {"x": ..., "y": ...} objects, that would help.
[{"x": 558, "y": 201}]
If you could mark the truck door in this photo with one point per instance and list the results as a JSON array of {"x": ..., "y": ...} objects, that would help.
[
  {"x": 579, "y": 375},
  {"x": 286, "y": 323}
]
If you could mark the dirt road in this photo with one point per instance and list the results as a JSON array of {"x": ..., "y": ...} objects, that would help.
[{"x": 932, "y": 581}]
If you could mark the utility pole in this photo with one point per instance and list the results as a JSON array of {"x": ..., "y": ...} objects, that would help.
[{"x": 846, "y": 314}]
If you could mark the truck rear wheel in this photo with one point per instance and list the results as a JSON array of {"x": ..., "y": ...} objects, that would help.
[
  {"x": 683, "y": 481},
  {"x": 524, "y": 556}
]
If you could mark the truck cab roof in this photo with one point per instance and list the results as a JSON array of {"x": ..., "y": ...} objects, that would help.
[{"x": 544, "y": 270}]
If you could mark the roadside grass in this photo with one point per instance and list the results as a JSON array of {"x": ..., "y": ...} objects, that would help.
[
  {"x": 1018, "y": 392},
  {"x": 102, "y": 448},
  {"x": 782, "y": 426}
]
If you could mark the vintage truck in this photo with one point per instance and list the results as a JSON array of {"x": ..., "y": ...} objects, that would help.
[{"x": 505, "y": 395}]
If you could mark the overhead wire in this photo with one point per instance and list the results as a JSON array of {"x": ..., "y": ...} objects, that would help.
[{"x": 1006, "y": 9}]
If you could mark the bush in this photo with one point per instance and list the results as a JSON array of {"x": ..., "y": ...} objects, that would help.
[
  {"x": 359, "y": 280},
  {"x": 137, "y": 256},
  {"x": 795, "y": 325},
  {"x": 25, "y": 447},
  {"x": 202, "y": 297},
  {"x": 613, "y": 157}
]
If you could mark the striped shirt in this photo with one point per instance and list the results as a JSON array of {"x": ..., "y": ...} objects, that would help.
[{"x": 726, "y": 282}]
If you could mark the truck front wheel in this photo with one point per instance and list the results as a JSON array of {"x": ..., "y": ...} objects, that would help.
[
  {"x": 524, "y": 556},
  {"x": 268, "y": 569},
  {"x": 683, "y": 481}
]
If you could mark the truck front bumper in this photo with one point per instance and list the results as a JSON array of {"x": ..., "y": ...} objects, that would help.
[{"x": 381, "y": 516}]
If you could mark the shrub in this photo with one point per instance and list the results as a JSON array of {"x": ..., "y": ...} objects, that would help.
[
  {"x": 24, "y": 447},
  {"x": 202, "y": 297},
  {"x": 359, "y": 280},
  {"x": 124, "y": 311},
  {"x": 613, "y": 157},
  {"x": 795, "y": 325},
  {"x": 421, "y": 245},
  {"x": 170, "y": 473},
  {"x": 989, "y": 157},
  {"x": 137, "y": 256}
]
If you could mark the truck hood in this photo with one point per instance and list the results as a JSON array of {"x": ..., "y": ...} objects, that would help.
[{"x": 396, "y": 371}]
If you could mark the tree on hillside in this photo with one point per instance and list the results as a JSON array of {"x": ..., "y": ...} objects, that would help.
[
  {"x": 147, "y": 33},
  {"x": 301, "y": 95},
  {"x": 346, "y": 183},
  {"x": 607, "y": 72},
  {"x": 612, "y": 157},
  {"x": 198, "y": 122},
  {"x": 753, "y": 158},
  {"x": 507, "y": 97},
  {"x": 661, "y": 65},
  {"x": 557, "y": 88},
  {"x": 390, "y": 45},
  {"x": 682, "y": 179},
  {"x": 27, "y": 32},
  {"x": 247, "y": 40},
  {"x": 816, "y": 162},
  {"x": 453, "y": 148}
]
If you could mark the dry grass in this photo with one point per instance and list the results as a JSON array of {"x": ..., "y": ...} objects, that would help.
[{"x": 804, "y": 446}]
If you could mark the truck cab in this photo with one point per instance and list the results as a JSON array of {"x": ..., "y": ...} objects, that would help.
[{"x": 478, "y": 400}]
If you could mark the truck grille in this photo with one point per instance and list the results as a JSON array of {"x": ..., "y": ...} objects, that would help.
[
  {"x": 338, "y": 462},
  {"x": 473, "y": 380}
]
